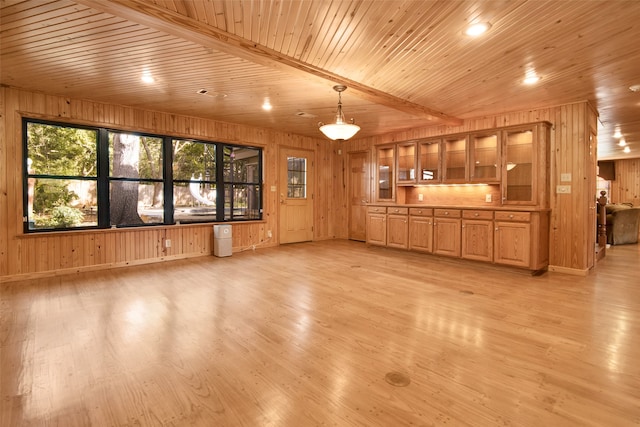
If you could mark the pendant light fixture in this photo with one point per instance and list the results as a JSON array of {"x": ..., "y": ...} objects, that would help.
[{"x": 340, "y": 130}]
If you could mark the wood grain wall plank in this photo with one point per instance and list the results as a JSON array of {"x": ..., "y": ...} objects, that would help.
[{"x": 89, "y": 249}]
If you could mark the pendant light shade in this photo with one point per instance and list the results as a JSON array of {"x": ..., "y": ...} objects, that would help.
[{"x": 340, "y": 130}]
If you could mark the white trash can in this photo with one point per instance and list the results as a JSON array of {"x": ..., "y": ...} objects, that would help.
[{"x": 222, "y": 242}]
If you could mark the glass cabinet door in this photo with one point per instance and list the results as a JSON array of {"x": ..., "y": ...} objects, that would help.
[
  {"x": 407, "y": 163},
  {"x": 429, "y": 161},
  {"x": 455, "y": 159},
  {"x": 518, "y": 167},
  {"x": 385, "y": 161},
  {"x": 483, "y": 157}
]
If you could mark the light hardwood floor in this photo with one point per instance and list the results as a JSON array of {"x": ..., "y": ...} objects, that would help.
[{"x": 305, "y": 335}]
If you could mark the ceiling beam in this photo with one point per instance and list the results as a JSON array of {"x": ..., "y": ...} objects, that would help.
[{"x": 158, "y": 18}]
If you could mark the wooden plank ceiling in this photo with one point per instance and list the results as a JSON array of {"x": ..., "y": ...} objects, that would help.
[{"x": 407, "y": 63}]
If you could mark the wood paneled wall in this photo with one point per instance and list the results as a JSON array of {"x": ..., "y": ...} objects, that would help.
[
  {"x": 58, "y": 253},
  {"x": 571, "y": 244},
  {"x": 24, "y": 256},
  {"x": 626, "y": 187}
]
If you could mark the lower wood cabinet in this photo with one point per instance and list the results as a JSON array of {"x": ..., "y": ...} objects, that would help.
[
  {"x": 514, "y": 238},
  {"x": 398, "y": 228},
  {"x": 446, "y": 232},
  {"x": 377, "y": 225},
  {"x": 522, "y": 239},
  {"x": 477, "y": 235},
  {"x": 421, "y": 229}
]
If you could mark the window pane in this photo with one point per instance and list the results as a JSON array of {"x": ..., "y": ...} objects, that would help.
[
  {"x": 62, "y": 203},
  {"x": 194, "y": 160},
  {"x": 194, "y": 201},
  {"x": 241, "y": 164},
  {"x": 60, "y": 150},
  {"x": 134, "y": 156},
  {"x": 242, "y": 201},
  {"x": 297, "y": 178},
  {"x": 131, "y": 202}
]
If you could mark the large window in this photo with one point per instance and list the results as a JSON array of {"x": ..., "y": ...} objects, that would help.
[{"x": 81, "y": 177}]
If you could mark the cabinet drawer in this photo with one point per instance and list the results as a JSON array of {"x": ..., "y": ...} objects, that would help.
[
  {"x": 477, "y": 214},
  {"x": 398, "y": 211},
  {"x": 513, "y": 216},
  {"x": 377, "y": 209},
  {"x": 421, "y": 211},
  {"x": 447, "y": 213}
]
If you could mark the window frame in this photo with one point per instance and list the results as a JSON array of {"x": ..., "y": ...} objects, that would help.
[{"x": 103, "y": 179}]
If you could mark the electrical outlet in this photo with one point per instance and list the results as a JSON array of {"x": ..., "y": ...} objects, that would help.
[
  {"x": 167, "y": 243},
  {"x": 420, "y": 197},
  {"x": 269, "y": 234},
  {"x": 563, "y": 189},
  {"x": 487, "y": 198}
]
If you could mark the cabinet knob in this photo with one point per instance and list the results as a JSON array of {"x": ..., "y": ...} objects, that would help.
[
  {"x": 476, "y": 214},
  {"x": 510, "y": 216},
  {"x": 496, "y": 228},
  {"x": 419, "y": 211},
  {"x": 446, "y": 213}
]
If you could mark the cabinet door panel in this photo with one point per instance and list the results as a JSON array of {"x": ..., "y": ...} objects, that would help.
[
  {"x": 484, "y": 151},
  {"x": 512, "y": 243},
  {"x": 429, "y": 162},
  {"x": 455, "y": 160},
  {"x": 477, "y": 240},
  {"x": 421, "y": 233},
  {"x": 446, "y": 237},
  {"x": 397, "y": 231},
  {"x": 376, "y": 229},
  {"x": 385, "y": 174},
  {"x": 406, "y": 163}
]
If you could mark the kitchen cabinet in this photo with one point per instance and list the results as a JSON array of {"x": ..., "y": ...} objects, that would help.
[
  {"x": 421, "y": 229},
  {"x": 521, "y": 239},
  {"x": 477, "y": 235},
  {"x": 398, "y": 227},
  {"x": 429, "y": 165},
  {"x": 377, "y": 225},
  {"x": 525, "y": 165},
  {"x": 446, "y": 232},
  {"x": 407, "y": 160},
  {"x": 385, "y": 173},
  {"x": 484, "y": 157},
  {"x": 454, "y": 160}
]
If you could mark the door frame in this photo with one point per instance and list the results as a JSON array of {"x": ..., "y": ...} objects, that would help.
[
  {"x": 282, "y": 186},
  {"x": 367, "y": 153}
]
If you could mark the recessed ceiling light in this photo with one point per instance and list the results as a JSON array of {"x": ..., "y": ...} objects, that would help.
[
  {"x": 622, "y": 142},
  {"x": 475, "y": 30},
  {"x": 627, "y": 149},
  {"x": 531, "y": 79},
  {"x": 617, "y": 134},
  {"x": 266, "y": 106},
  {"x": 147, "y": 78},
  {"x": 634, "y": 88}
]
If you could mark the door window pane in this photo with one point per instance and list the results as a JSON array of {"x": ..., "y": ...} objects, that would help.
[{"x": 296, "y": 177}]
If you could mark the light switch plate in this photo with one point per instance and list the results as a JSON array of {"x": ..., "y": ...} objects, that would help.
[{"x": 565, "y": 177}]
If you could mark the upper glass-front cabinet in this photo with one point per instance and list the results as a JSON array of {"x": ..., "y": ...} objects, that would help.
[
  {"x": 455, "y": 159},
  {"x": 429, "y": 161},
  {"x": 484, "y": 157},
  {"x": 518, "y": 160},
  {"x": 386, "y": 160},
  {"x": 407, "y": 163}
]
